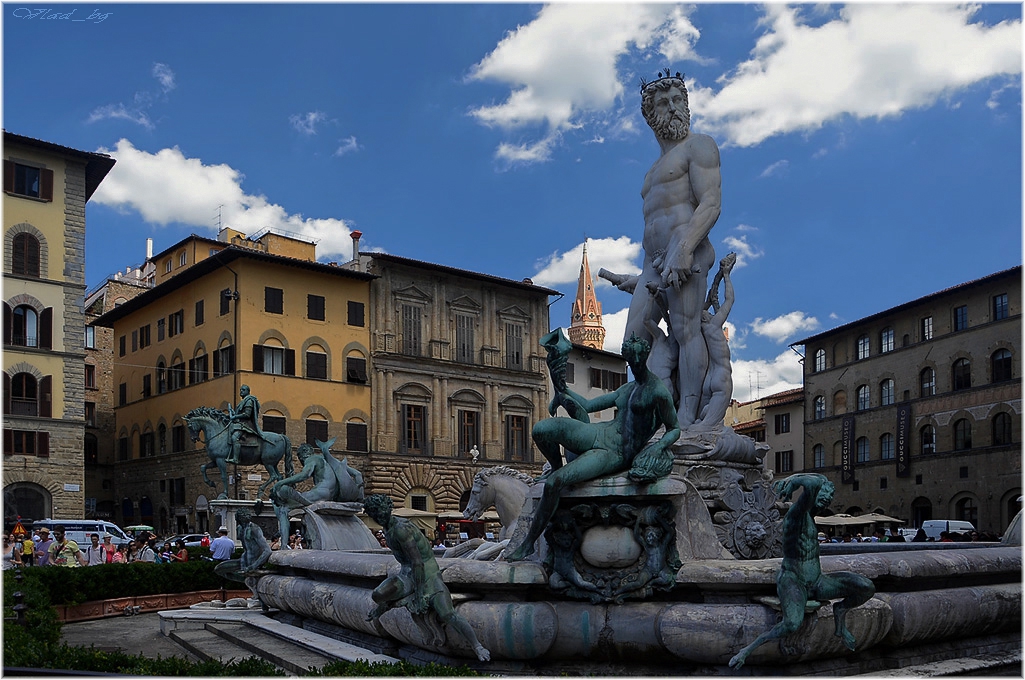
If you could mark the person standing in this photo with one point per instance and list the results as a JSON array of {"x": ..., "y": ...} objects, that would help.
[
  {"x": 43, "y": 547},
  {"x": 64, "y": 552},
  {"x": 108, "y": 548},
  {"x": 223, "y": 546},
  {"x": 12, "y": 553},
  {"x": 148, "y": 551},
  {"x": 28, "y": 550},
  {"x": 95, "y": 553}
]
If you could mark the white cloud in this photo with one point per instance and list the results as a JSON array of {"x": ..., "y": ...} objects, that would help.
[
  {"x": 142, "y": 101},
  {"x": 777, "y": 168},
  {"x": 864, "y": 63},
  {"x": 538, "y": 152},
  {"x": 347, "y": 146},
  {"x": 783, "y": 327},
  {"x": 306, "y": 123},
  {"x": 167, "y": 187},
  {"x": 615, "y": 326},
  {"x": 563, "y": 64},
  {"x": 761, "y": 377},
  {"x": 618, "y": 255},
  {"x": 745, "y": 251}
]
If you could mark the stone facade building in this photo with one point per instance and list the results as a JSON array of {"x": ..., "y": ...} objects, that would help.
[
  {"x": 777, "y": 420},
  {"x": 915, "y": 411},
  {"x": 46, "y": 187}
]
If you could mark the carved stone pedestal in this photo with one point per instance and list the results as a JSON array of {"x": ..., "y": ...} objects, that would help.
[{"x": 335, "y": 526}]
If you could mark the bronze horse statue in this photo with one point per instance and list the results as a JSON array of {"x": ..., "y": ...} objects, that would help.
[{"x": 214, "y": 426}]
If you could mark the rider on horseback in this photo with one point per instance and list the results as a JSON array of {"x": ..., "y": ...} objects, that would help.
[{"x": 243, "y": 420}]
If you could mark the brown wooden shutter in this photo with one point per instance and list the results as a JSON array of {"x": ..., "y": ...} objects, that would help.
[
  {"x": 8, "y": 175},
  {"x": 43, "y": 444},
  {"x": 46, "y": 328},
  {"x": 7, "y": 394},
  {"x": 45, "y": 396},
  {"x": 289, "y": 362},
  {"x": 8, "y": 441},
  {"x": 258, "y": 358},
  {"x": 46, "y": 184},
  {"x": 8, "y": 319}
]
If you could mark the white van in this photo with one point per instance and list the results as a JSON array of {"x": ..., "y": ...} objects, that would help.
[
  {"x": 933, "y": 527},
  {"x": 79, "y": 530}
]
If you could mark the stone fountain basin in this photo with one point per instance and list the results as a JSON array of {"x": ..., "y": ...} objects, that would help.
[{"x": 718, "y": 606}]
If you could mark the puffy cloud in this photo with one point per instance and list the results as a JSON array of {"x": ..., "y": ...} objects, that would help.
[
  {"x": 762, "y": 377},
  {"x": 167, "y": 187},
  {"x": 745, "y": 251},
  {"x": 783, "y": 327},
  {"x": 538, "y": 152},
  {"x": 615, "y": 254},
  {"x": 615, "y": 327},
  {"x": 306, "y": 123},
  {"x": 138, "y": 111},
  {"x": 563, "y": 64},
  {"x": 863, "y": 63}
]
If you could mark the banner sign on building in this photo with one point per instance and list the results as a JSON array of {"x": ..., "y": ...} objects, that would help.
[
  {"x": 846, "y": 450},
  {"x": 904, "y": 440}
]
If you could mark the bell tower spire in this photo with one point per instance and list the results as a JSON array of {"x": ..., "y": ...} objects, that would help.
[{"x": 585, "y": 325}]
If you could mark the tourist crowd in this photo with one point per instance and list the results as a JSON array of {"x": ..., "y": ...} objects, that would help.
[{"x": 920, "y": 536}]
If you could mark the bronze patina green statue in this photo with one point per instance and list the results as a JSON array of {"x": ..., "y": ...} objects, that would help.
[
  {"x": 800, "y": 578},
  {"x": 595, "y": 450},
  {"x": 254, "y": 544},
  {"x": 418, "y": 586}
]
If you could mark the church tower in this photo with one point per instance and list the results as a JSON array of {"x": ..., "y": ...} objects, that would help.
[{"x": 585, "y": 327}]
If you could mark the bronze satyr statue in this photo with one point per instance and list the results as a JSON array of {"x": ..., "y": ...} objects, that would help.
[
  {"x": 418, "y": 586},
  {"x": 800, "y": 577}
]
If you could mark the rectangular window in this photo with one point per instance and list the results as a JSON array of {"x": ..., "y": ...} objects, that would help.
[
  {"x": 90, "y": 337},
  {"x": 316, "y": 365},
  {"x": 882, "y": 483},
  {"x": 514, "y": 346},
  {"x": 200, "y": 313},
  {"x": 927, "y": 328},
  {"x": 571, "y": 373},
  {"x": 316, "y": 430},
  {"x": 198, "y": 369},
  {"x": 356, "y": 437},
  {"x": 146, "y": 445},
  {"x": 464, "y": 339},
  {"x": 176, "y": 376},
  {"x": 469, "y": 431},
  {"x": 273, "y": 300},
  {"x": 414, "y": 428},
  {"x": 418, "y": 502},
  {"x": 356, "y": 370},
  {"x": 411, "y": 330},
  {"x": 27, "y": 443},
  {"x": 90, "y": 414},
  {"x": 135, "y": 341},
  {"x": 225, "y": 301},
  {"x": 784, "y": 461},
  {"x": 176, "y": 323},
  {"x": 224, "y": 361},
  {"x": 315, "y": 307},
  {"x": 1000, "y": 310},
  {"x": 782, "y": 423},
  {"x": 274, "y": 360},
  {"x": 961, "y": 318},
  {"x": 516, "y": 447},
  {"x": 90, "y": 377},
  {"x": 355, "y": 316},
  {"x": 864, "y": 347},
  {"x": 122, "y": 394},
  {"x": 147, "y": 385},
  {"x": 121, "y": 346},
  {"x": 161, "y": 327},
  {"x": 607, "y": 380},
  {"x": 144, "y": 336},
  {"x": 886, "y": 340},
  {"x": 177, "y": 438},
  {"x": 26, "y": 180},
  {"x": 123, "y": 450},
  {"x": 819, "y": 456},
  {"x": 274, "y": 424}
]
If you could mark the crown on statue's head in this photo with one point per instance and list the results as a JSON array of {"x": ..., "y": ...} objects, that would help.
[{"x": 662, "y": 75}]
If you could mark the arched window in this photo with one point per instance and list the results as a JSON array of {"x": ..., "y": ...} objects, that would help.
[
  {"x": 886, "y": 392},
  {"x": 356, "y": 436},
  {"x": 927, "y": 382},
  {"x": 818, "y": 454},
  {"x": 864, "y": 350},
  {"x": 863, "y": 450},
  {"x": 162, "y": 439},
  {"x": 820, "y": 408},
  {"x": 25, "y": 255},
  {"x": 92, "y": 449},
  {"x": 962, "y": 435},
  {"x": 1002, "y": 429},
  {"x": 962, "y": 374},
  {"x": 886, "y": 447},
  {"x": 886, "y": 340},
  {"x": 24, "y": 395},
  {"x": 28, "y": 501},
  {"x": 25, "y": 327},
  {"x": 820, "y": 360},
  {"x": 967, "y": 510},
  {"x": 1000, "y": 364},
  {"x": 927, "y": 437},
  {"x": 863, "y": 397}
]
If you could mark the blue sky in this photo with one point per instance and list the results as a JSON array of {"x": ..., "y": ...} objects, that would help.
[{"x": 871, "y": 153}]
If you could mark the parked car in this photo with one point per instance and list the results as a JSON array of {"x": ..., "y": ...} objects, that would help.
[{"x": 191, "y": 540}]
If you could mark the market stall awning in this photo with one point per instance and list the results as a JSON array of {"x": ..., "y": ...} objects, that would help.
[
  {"x": 425, "y": 521},
  {"x": 850, "y": 520}
]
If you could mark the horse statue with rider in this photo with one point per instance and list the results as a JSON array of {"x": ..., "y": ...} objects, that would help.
[{"x": 236, "y": 437}]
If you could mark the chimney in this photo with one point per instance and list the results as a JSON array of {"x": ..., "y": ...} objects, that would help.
[
  {"x": 149, "y": 249},
  {"x": 356, "y": 236}
]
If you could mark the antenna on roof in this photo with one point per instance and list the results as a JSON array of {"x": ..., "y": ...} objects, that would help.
[{"x": 219, "y": 217}]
